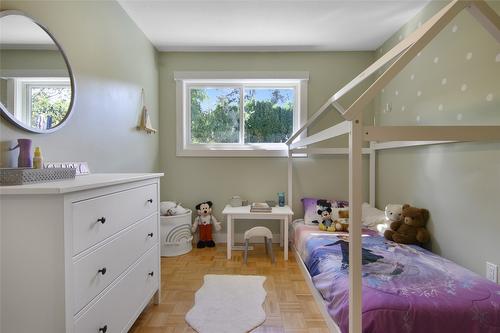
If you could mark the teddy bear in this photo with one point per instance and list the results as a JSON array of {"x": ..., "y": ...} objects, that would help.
[
  {"x": 342, "y": 222},
  {"x": 411, "y": 229},
  {"x": 392, "y": 214},
  {"x": 325, "y": 219},
  {"x": 204, "y": 222}
]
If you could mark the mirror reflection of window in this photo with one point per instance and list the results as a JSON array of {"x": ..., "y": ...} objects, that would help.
[
  {"x": 41, "y": 102},
  {"x": 35, "y": 86}
]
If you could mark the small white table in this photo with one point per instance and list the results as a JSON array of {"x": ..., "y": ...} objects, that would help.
[{"x": 284, "y": 214}]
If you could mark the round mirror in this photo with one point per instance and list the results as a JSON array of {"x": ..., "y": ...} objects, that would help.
[{"x": 36, "y": 83}]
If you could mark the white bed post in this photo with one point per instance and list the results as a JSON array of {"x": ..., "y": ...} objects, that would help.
[
  {"x": 355, "y": 202},
  {"x": 290, "y": 179},
  {"x": 373, "y": 165}
]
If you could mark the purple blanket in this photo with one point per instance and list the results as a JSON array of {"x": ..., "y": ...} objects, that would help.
[{"x": 405, "y": 288}]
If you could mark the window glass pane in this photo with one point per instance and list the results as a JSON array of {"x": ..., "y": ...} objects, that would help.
[
  {"x": 268, "y": 114},
  {"x": 215, "y": 115},
  {"x": 49, "y": 105}
]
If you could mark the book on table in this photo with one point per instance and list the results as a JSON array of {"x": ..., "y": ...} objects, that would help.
[{"x": 260, "y": 207}]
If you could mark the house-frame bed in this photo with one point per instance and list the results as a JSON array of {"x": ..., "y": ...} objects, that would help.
[{"x": 383, "y": 137}]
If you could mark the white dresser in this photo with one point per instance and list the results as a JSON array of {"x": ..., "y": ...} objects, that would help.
[{"x": 80, "y": 255}]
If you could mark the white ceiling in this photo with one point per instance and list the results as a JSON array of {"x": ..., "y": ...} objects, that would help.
[
  {"x": 270, "y": 25},
  {"x": 19, "y": 32}
]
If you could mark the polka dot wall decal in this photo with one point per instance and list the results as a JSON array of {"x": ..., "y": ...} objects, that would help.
[
  {"x": 463, "y": 87},
  {"x": 468, "y": 56},
  {"x": 454, "y": 28},
  {"x": 489, "y": 97},
  {"x": 383, "y": 91},
  {"x": 396, "y": 92},
  {"x": 419, "y": 93},
  {"x": 444, "y": 81},
  {"x": 412, "y": 77},
  {"x": 459, "y": 116},
  {"x": 403, "y": 108},
  {"x": 440, "y": 107},
  {"x": 418, "y": 119},
  {"x": 436, "y": 60},
  {"x": 497, "y": 59}
]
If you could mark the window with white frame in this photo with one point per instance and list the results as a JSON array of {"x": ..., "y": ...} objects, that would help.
[{"x": 243, "y": 114}]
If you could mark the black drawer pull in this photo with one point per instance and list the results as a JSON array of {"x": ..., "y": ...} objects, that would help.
[
  {"x": 103, "y": 329},
  {"x": 102, "y": 271},
  {"x": 150, "y": 234},
  {"x": 151, "y": 273},
  {"x": 150, "y": 200},
  {"x": 102, "y": 220}
]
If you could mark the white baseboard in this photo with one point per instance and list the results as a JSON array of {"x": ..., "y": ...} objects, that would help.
[{"x": 220, "y": 237}]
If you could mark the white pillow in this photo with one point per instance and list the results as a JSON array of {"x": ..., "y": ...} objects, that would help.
[{"x": 371, "y": 216}]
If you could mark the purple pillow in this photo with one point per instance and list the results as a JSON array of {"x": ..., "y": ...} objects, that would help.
[{"x": 311, "y": 206}]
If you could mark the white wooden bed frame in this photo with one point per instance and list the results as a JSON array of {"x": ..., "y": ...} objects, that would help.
[
  {"x": 384, "y": 137},
  {"x": 332, "y": 325}
]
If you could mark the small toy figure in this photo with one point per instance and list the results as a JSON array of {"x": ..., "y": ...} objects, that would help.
[{"x": 204, "y": 222}]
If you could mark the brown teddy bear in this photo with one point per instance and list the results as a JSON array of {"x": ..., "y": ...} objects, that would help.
[
  {"x": 411, "y": 230},
  {"x": 342, "y": 223}
]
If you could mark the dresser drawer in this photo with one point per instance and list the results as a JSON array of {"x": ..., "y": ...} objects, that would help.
[
  {"x": 121, "y": 304},
  {"x": 94, "y": 272},
  {"x": 98, "y": 218}
]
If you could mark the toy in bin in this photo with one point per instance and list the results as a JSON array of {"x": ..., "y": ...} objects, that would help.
[
  {"x": 175, "y": 229},
  {"x": 203, "y": 223}
]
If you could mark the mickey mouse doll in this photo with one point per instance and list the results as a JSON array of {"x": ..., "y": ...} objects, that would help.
[
  {"x": 325, "y": 220},
  {"x": 204, "y": 222}
]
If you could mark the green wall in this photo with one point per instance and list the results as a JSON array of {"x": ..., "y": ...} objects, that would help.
[
  {"x": 191, "y": 179},
  {"x": 31, "y": 59},
  {"x": 458, "y": 76},
  {"x": 17, "y": 62},
  {"x": 111, "y": 60}
]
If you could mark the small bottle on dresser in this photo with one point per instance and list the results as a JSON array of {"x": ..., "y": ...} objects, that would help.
[{"x": 37, "y": 159}]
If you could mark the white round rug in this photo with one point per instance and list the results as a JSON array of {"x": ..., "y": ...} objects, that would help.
[{"x": 228, "y": 304}]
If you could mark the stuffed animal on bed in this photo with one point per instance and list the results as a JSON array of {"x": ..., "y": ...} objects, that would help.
[
  {"x": 325, "y": 220},
  {"x": 342, "y": 222},
  {"x": 411, "y": 229},
  {"x": 204, "y": 222},
  {"x": 392, "y": 214}
]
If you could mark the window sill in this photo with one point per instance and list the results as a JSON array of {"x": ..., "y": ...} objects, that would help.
[{"x": 257, "y": 150}]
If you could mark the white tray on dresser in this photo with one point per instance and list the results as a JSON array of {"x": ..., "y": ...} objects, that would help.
[{"x": 79, "y": 255}]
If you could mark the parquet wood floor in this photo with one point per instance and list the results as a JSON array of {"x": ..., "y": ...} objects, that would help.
[{"x": 289, "y": 305}]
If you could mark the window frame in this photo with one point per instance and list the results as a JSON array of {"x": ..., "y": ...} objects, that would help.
[
  {"x": 19, "y": 98},
  {"x": 185, "y": 81}
]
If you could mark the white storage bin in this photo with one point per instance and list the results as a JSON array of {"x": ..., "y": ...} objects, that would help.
[{"x": 176, "y": 237}]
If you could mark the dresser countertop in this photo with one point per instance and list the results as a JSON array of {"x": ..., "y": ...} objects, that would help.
[{"x": 80, "y": 183}]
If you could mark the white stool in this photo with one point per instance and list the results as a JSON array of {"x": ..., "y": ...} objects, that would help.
[{"x": 259, "y": 232}]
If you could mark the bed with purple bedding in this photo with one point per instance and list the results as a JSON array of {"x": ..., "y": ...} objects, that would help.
[{"x": 405, "y": 288}]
